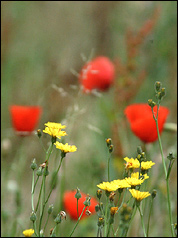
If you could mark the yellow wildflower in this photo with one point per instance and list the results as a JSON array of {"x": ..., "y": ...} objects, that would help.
[
  {"x": 134, "y": 181},
  {"x": 136, "y": 175},
  {"x": 147, "y": 165},
  {"x": 131, "y": 163},
  {"x": 28, "y": 233},
  {"x": 139, "y": 195},
  {"x": 54, "y": 129},
  {"x": 108, "y": 186},
  {"x": 65, "y": 148},
  {"x": 121, "y": 183}
]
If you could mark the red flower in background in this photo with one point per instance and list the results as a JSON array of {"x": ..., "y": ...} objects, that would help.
[
  {"x": 97, "y": 74},
  {"x": 25, "y": 118},
  {"x": 142, "y": 123},
  {"x": 70, "y": 204}
]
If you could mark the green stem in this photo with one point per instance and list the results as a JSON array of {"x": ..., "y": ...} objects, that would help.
[
  {"x": 143, "y": 226},
  {"x": 32, "y": 192},
  {"x": 108, "y": 167},
  {"x": 151, "y": 205},
  {"x": 46, "y": 222},
  {"x": 77, "y": 222},
  {"x": 166, "y": 177},
  {"x": 48, "y": 153},
  {"x": 133, "y": 214},
  {"x": 106, "y": 216},
  {"x": 34, "y": 227},
  {"x": 54, "y": 180}
]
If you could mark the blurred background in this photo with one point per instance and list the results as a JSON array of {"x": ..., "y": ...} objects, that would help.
[{"x": 44, "y": 45}]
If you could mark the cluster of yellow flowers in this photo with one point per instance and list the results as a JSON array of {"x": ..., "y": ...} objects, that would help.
[
  {"x": 55, "y": 131},
  {"x": 134, "y": 164},
  {"x": 132, "y": 181}
]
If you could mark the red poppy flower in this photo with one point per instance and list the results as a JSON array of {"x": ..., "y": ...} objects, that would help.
[
  {"x": 97, "y": 74},
  {"x": 70, "y": 204},
  {"x": 25, "y": 118},
  {"x": 142, "y": 123}
]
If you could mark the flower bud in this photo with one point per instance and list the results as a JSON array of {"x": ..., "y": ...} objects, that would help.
[
  {"x": 99, "y": 193},
  {"x": 111, "y": 147},
  {"x": 151, "y": 103},
  {"x": 78, "y": 194},
  {"x": 33, "y": 164},
  {"x": 108, "y": 142},
  {"x": 163, "y": 92},
  {"x": 97, "y": 208},
  {"x": 153, "y": 194},
  {"x": 58, "y": 219},
  {"x": 101, "y": 221},
  {"x": 139, "y": 149},
  {"x": 39, "y": 133},
  {"x": 33, "y": 216},
  {"x": 111, "y": 196},
  {"x": 63, "y": 215},
  {"x": 170, "y": 156},
  {"x": 87, "y": 201},
  {"x": 39, "y": 172},
  {"x": 157, "y": 86},
  {"x": 46, "y": 171},
  {"x": 88, "y": 213},
  {"x": 50, "y": 209}
]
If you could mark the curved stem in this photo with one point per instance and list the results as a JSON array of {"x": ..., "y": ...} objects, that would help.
[{"x": 77, "y": 222}]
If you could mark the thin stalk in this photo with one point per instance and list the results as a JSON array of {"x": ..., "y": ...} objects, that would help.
[
  {"x": 106, "y": 216},
  {"x": 133, "y": 214},
  {"x": 46, "y": 222},
  {"x": 54, "y": 180},
  {"x": 48, "y": 153},
  {"x": 165, "y": 171},
  {"x": 143, "y": 226},
  {"x": 77, "y": 222},
  {"x": 32, "y": 192},
  {"x": 151, "y": 205},
  {"x": 108, "y": 167}
]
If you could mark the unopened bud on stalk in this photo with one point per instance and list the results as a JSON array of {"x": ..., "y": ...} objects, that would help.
[
  {"x": 39, "y": 172},
  {"x": 111, "y": 147},
  {"x": 170, "y": 156},
  {"x": 101, "y": 221},
  {"x": 163, "y": 92},
  {"x": 139, "y": 149},
  {"x": 108, "y": 142},
  {"x": 39, "y": 133},
  {"x": 78, "y": 194},
  {"x": 99, "y": 193},
  {"x": 87, "y": 201},
  {"x": 157, "y": 86},
  {"x": 33, "y": 216},
  {"x": 33, "y": 164},
  {"x": 97, "y": 208},
  {"x": 50, "y": 209},
  {"x": 151, "y": 103},
  {"x": 153, "y": 194}
]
